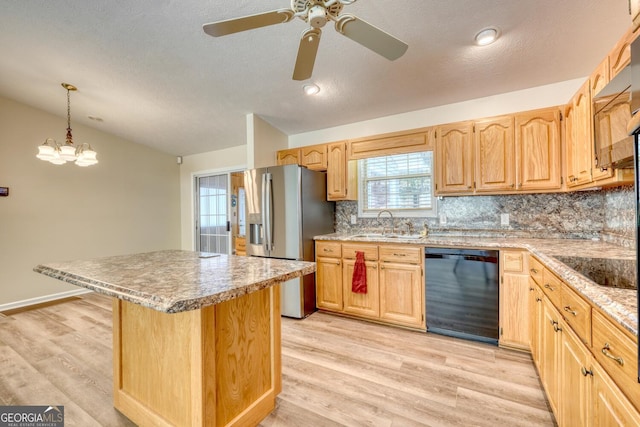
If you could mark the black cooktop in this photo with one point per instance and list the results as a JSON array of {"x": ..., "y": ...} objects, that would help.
[{"x": 617, "y": 273}]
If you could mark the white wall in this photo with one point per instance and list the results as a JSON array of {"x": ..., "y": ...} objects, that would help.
[
  {"x": 263, "y": 140},
  {"x": 128, "y": 202},
  {"x": 220, "y": 161},
  {"x": 522, "y": 100}
]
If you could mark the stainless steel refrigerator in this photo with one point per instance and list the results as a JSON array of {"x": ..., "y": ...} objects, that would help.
[{"x": 286, "y": 207}]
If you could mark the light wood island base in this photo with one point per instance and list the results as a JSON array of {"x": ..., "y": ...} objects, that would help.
[{"x": 217, "y": 366}]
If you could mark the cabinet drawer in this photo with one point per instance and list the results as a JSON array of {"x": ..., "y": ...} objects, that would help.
[
  {"x": 552, "y": 288},
  {"x": 402, "y": 254},
  {"x": 616, "y": 352},
  {"x": 515, "y": 262},
  {"x": 349, "y": 251},
  {"x": 577, "y": 312},
  {"x": 329, "y": 249},
  {"x": 535, "y": 270}
]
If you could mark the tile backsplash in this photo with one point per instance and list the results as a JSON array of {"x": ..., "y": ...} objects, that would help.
[{"x": 598, "y": 214}]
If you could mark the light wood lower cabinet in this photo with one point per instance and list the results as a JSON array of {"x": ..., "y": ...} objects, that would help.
[
  {"x": 514, "y": 300},
  {"x": 402, "y": 294},
  {"x": 550, "y": 352},
  {"x": 575, "y": 380},
  {"x": 587, "y": 363},
  {"x": 395, "y": 285},
  {"x": 367, "y": 305}
]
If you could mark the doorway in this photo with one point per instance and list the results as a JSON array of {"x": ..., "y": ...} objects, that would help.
[{"x": 220, "y": 213}]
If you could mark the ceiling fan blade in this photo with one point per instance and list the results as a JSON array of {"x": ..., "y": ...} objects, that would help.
[
  {"x": 230, "y": 26},
  {"x": 370, "y": 37},
  {"x": 307, "y": 54}
]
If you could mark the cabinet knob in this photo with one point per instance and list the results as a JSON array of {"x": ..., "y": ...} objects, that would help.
[{"x": 586, "y": 372}]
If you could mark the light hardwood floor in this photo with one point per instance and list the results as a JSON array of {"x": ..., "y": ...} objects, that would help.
[{"x": 336, "y": 372}]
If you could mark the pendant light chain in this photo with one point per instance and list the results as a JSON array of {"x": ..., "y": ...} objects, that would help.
[{"x": 69, "y": 137}]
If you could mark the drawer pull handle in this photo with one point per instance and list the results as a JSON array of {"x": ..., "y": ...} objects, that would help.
[
  {"x": 605, "y": 351},
  {"x": 327, "y": 250},
  {"x": 395, "y": 254},
  {"x": 548, "y": 286},
  {"x": 534, "y": 271},
  {"x": 586, "y": 372},
  {"x": 568, "y": 310},
  {"x": 531, "y": 289},
  {"x": 538, "y": 299}
]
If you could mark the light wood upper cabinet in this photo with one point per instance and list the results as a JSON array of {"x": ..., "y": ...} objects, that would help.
[
  {"x": 494, "y": 154},
  {"x": 341, "y": 175},
  {"x": 288, "y": 157},
  {"x": 600, "y": 77},
  {"x": 454, "y": 158},
  {"x": 390, "y": 144},
  {"x": 514, "y": 300},
  {"x": 579, "y": 138},
  {"x": 538, "y": 149},
  {"x": 634, "y": 10},
  {"x": 620, "y": 55},
  {"x": 314, "y": 157}
]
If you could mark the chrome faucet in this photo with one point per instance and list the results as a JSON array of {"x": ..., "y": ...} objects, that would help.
[{"x": 393, "y": 225}]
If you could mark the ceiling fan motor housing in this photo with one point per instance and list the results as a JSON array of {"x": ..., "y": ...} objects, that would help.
[{"x": 317, "y": 16}]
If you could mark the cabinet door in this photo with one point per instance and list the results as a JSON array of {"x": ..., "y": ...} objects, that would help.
[
  {"x": 514, "y": 311},
  {"x": 538, "y": 149},
  {"x": 339, "y": 180},
  {"x": 402, "y": 294},
  {"x": 611, "y": 408},
  {"x": 535, "y": 308},
  {"x": 549, "y": 352},
  {"x": 314, "y": 157},
  {"x": 454, "y": 158},
  {"x": 579, "y": 141},
  {"x": 620, "y": 55},
  {"x": 368, "y": 304},
  {"x": 329, "y": 283},
  {"x": 288, "y": 157},
  {"x": 575, "y": 381},
  {"x": 495, "y": 150}
]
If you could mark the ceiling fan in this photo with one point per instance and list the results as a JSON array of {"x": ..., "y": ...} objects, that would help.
[{"x": 316, "y": 13}]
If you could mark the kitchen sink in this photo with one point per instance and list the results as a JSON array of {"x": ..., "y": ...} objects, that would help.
[{"x": 387, "y": 236}]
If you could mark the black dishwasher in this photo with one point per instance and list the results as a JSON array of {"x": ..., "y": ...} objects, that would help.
[{"x": 461, "y": 292}]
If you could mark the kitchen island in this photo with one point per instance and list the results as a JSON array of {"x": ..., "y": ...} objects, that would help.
[{"x": 196, "y": 336}]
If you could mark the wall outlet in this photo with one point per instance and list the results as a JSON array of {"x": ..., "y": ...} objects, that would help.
[
  {"x": 354, "y": 220},
  {"x": 442, "y": 219},
  {"x": 504, "y": 219}
]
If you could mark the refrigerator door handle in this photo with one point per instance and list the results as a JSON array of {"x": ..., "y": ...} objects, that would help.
[{"x": 267, "y": 211}]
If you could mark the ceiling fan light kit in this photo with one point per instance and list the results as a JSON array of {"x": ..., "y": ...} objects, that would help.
[
  {"x": 57, "y": 154},
  {"x": 311, "y": 89},
  {"x": 316, "y": 13}
]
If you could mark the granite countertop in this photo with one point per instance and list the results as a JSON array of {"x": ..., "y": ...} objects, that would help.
[
  {"x": 173, "y": 281},
  {"x": 620, "y": 304}
]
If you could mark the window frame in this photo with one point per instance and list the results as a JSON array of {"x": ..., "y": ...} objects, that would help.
[{"x": 406, "y": 213}]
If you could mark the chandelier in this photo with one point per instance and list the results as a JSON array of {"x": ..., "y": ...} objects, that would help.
[{"x": 59, "y": 154}]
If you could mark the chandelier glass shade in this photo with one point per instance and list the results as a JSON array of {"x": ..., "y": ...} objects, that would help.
[{"x": 59, "y": 154}]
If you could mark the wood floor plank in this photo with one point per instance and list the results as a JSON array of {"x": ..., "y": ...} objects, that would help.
[{"x": 336, "y": 372}]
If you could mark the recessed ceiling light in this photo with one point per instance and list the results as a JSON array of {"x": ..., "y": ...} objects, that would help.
[
  {"x": 487, "y": 36},
  {"x": 311, "y": 89}
]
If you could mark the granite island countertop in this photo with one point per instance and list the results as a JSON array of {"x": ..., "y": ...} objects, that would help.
[
  {"x": 172, "y": 281},
  {"x": 620, "y": 304}
]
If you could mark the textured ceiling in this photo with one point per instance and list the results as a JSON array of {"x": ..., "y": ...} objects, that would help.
[{"x": 149, "y": 71}]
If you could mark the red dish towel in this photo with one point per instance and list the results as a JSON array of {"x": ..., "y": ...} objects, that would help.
[{"x": 359, "y": 279}]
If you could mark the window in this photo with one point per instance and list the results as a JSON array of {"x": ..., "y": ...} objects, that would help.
[{"x": 402, "y": 183}]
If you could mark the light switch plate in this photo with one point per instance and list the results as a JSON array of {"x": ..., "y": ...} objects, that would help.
[
  {"x": 442, "y": 219},
  {"x": 354, "y": 220},
  {"x": 504, "y": 219}
]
